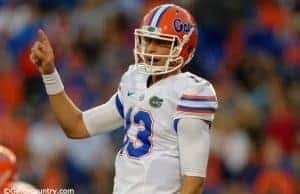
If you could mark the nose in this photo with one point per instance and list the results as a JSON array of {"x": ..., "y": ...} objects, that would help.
[{"x": 151, "y": 46}]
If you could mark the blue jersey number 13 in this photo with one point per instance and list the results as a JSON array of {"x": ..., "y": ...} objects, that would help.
[{"x": 142, "y": 119}]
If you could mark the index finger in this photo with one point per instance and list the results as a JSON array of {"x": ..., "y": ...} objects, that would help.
[{"x": 43, "y": 37}]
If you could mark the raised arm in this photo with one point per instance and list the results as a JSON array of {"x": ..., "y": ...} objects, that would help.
[{"x": 69, "y": 116}]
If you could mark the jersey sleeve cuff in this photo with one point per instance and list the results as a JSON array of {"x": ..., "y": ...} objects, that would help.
[
  {"x": 194, "y": 172},
  {"x": 119, "y": 106},
  {"x": 193, "y": 116}
]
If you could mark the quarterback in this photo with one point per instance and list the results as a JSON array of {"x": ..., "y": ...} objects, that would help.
[{"x": 166, "y": 113}]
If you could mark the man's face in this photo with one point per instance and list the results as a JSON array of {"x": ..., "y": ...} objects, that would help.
[{"x": 156, "y": 47}]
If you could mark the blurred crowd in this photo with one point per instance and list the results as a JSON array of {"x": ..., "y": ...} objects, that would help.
[{"x": 249, "y": 50}]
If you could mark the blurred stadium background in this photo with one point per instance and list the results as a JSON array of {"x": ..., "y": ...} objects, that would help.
[{"x": 249, "y": 49}]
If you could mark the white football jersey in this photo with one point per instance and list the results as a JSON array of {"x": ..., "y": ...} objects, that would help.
[{"x": 148, "y": 162}]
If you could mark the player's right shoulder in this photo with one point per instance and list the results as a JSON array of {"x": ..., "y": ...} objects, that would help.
[
  {"x": 129, "y": 73},
  {"x": 126, "y": 82}
]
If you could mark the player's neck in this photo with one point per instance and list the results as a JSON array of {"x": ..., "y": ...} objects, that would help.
[{"x": 155, "y": 78}]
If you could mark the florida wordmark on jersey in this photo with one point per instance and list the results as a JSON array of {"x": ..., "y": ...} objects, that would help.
[{"x": 148, "y": 162}]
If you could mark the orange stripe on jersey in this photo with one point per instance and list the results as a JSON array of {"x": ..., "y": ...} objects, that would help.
[{"x": 196, "y": 97}]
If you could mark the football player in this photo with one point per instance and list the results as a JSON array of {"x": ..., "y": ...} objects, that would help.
[
  {"x": 8, "y": 169},
  {"x": 166, "y": 113}
]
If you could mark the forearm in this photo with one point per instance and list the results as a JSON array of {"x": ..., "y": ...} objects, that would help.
[
  {"x": 68, "y": 115},
  {"x": 78, "y": 124},
  {"x": 192, "y": 185}
]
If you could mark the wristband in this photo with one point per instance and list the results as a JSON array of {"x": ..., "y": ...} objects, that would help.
[{"x": 53, "y": 83}]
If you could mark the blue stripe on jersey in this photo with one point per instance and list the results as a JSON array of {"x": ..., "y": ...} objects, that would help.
[
  {"x": 119, "y": 106},
  {"x": 158, "y": 14},
  {"x": 198, "y": 108},
  {"x": 175, "y": 124}
]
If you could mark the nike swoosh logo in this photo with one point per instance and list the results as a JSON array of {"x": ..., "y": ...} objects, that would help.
[{"x": 130, "y": 93}]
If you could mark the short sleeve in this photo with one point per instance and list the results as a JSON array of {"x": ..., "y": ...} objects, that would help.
[
  {"x": 119, "y": 102},
  {"x": 197, "y": 101},
  {"x": 119, "y": 96},
  {"x": 104, "y": 118}
]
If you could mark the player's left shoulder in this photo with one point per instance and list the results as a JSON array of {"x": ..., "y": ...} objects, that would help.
[
  {"x": 197, "y": 99},
  {"x": 193, "y": 85}
]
